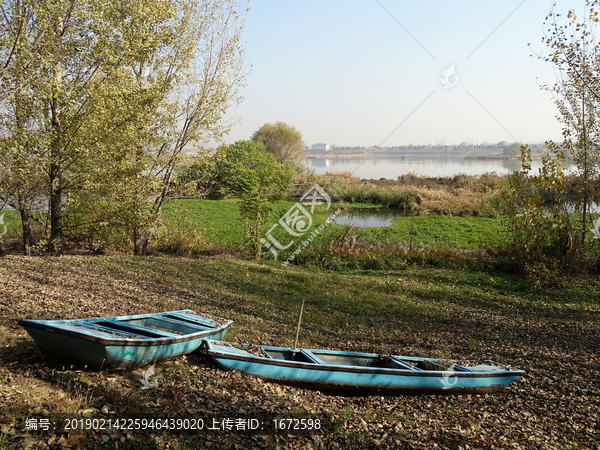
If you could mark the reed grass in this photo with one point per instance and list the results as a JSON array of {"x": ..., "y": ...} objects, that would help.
[{"x": 462, "y": 195}]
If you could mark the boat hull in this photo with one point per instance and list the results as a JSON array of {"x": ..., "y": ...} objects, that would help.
[
  {"x": 97, "y": 348},
  {"x": 361, "y": 379}
]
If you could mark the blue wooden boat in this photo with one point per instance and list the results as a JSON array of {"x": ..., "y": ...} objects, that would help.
[
  {"x": 125, "y": 342},
  {"x": 364, "y": 372}
]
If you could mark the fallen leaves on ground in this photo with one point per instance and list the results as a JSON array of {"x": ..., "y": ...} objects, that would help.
[{"x": 554, "y": 406}]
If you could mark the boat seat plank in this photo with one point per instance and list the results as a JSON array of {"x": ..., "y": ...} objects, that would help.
[
  {"x": 458, "y": 368},
  {"x": 311, "y": 356},
  {"x": 405, "y": 365},
  {"x": 227, "y": 349},
  {"x": 113, "y": 332},
  {"x": 92, "y": 330},
  {"x": 127, "y": 327},
  {"x": 189, "y": 318},
  {"x": 194, "y": 325}
]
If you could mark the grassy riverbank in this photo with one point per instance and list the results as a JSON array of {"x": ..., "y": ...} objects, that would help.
[
  {"x": 427, "y": 285},
  {"x": 201, "y": 227},
  {"x": 219, "y": 222},
  {"x": 430, "y": 312}
]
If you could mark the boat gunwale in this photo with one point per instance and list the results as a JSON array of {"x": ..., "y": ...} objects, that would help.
[
  {"x": 187, "y": 321},
  {"x": 53, "y": 326},
  {"x": 352, "y": 369}
]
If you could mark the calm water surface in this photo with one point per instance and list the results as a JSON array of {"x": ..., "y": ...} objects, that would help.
[
  {"x": 370, "y": 218},
  {"x": 392, "y": 167}
]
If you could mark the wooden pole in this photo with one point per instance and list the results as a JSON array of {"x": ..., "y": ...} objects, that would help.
[{"x": 299, "y": 321}]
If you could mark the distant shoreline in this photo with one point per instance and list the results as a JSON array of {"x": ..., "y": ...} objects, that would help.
[{"x": 379, "y": 153}]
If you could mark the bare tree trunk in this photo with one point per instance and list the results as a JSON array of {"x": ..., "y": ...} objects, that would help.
[
  {"x": 140, "y": 242},
  {"x": 136, "y": 242},
  {"x": 141, "y": 247},
  {"x": 23, "y": 205},
  {"x": 56, "y": 231},
  {"x": 24, "y": 210},
  {"x": 585, "y": 173},
  {"x": 55, "y": 208}
]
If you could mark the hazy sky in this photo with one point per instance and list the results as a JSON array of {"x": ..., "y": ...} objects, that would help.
[{"x": 367, "y": 72}]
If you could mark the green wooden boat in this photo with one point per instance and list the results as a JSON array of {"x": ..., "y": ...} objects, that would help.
[{"x": 125, "y": 342}]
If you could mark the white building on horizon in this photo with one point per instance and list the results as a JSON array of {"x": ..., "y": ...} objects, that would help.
[{"x": 320, "y": 147}]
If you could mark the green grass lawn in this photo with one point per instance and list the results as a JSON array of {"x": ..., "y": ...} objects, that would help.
[
  {"x": 12, "y": 220},
  {"x": 461, "y": 232},
  {"x": 221, "y": 223},
  {"x": 221, "y": 227}
]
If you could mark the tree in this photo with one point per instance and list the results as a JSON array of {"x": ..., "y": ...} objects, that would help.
[
  {"x": 245, "y": 171},
  {"x": 83, "y": 96},
  {"x": 21, "y": 38},
  {"x": 512, "y": 150},
  {"x": 544, "y": 234},
  {"x": 21, "y": 47},
  {"x": 541, "y": 233},
  {"x": 574, "y": 52},
  {"x": 120, "y": 88},
  {"x": 24, "y": 180},
  {"x": 206, "y": 70},
  {"x": 283, "y": 141},
  {"x": 197, "y": 177}
]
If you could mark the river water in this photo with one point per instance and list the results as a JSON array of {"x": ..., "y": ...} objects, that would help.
[
  {"x": 370, "y": 218},
  {"x": 392, "y": 167}
]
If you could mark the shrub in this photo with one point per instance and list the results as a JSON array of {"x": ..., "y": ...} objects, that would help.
[
  {"x": 180, "y": 236},
  {"x": 546, "y": 240}
]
